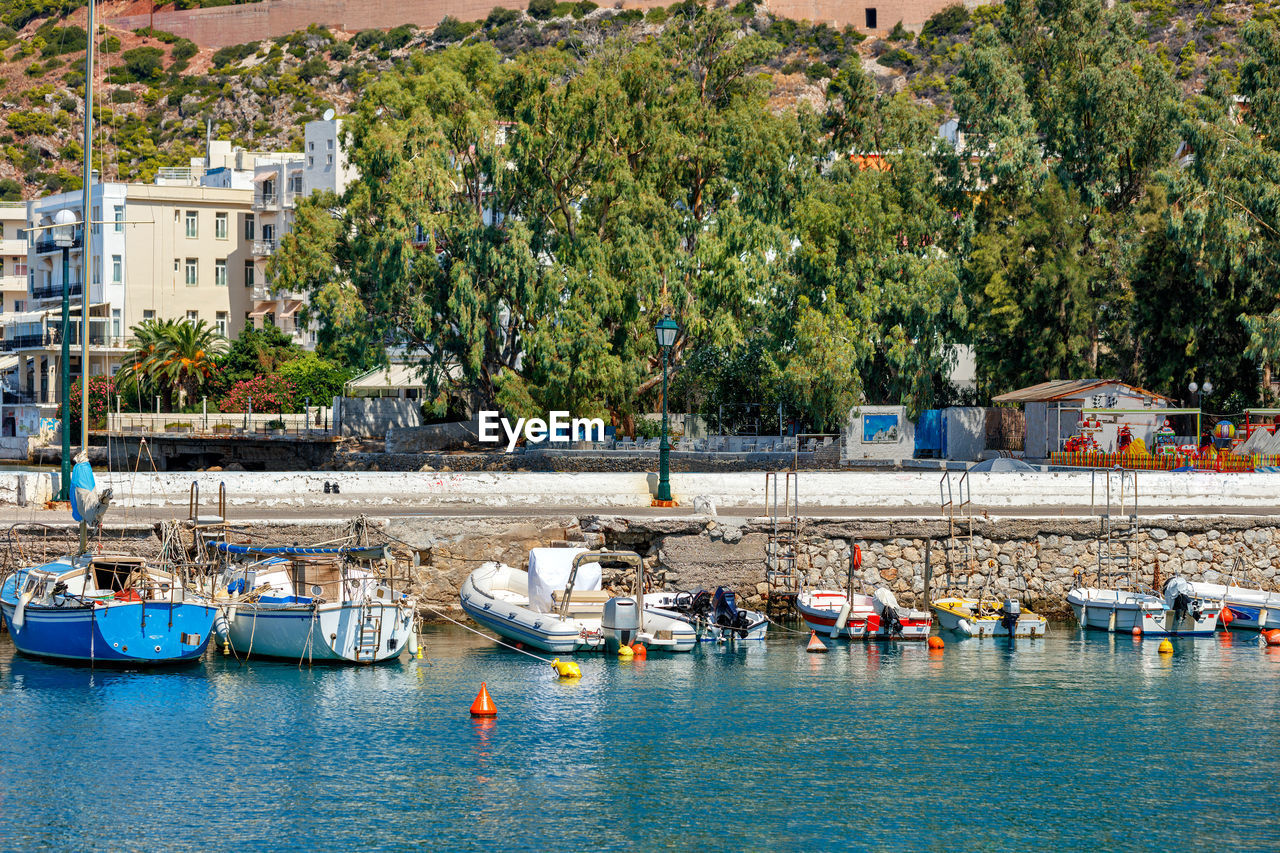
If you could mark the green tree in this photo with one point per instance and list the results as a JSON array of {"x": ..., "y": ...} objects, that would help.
[
  {"x": 188, "y": 357},
  {"x": 255, "y": 352},
  {"x": 315, "y": 378}
]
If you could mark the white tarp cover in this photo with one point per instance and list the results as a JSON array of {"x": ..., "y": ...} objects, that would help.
[{"x": 549, "y": 571}]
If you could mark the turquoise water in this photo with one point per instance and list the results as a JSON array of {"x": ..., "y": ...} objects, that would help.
[{"x": 1070, "y": 742}]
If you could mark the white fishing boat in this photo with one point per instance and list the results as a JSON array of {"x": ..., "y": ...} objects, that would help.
[
  {"x": 1241, "y": 607},
  {"x": 1180, "y": 613},
  {"x": 841, "y": 614},
  {"x": 987, "y": 617},
  {"x": 312, "y": 604},
  {"x": 559, "y": 606},
  {"x": 715, "y": 617}
]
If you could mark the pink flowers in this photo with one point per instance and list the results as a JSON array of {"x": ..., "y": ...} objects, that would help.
[{"x": 266, "y": 393}]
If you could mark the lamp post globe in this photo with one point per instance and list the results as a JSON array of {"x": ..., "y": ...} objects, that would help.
[
  {"x": 667, "y": 330},
  {"x": 64, "y": 237}
]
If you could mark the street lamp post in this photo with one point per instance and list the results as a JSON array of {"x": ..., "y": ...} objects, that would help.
[
  {"x": 1200, "y": 393},
  {"x": 64, "y": 237},
  {"x": 667, "y": 331}
]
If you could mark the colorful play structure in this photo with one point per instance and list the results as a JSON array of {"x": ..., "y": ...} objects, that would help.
[{"x": 1254, "y": 445}]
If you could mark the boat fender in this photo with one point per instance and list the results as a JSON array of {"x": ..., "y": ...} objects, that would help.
[
  {"x": 566, "y": 669},
  {"x": 20, "y": 612},
  {"x": 842, "y": 619},
  {"x": 963, "y": 627}
]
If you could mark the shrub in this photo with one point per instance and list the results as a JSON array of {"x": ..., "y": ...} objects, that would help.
[
  {"x": 398, "y": 37},
  {"x": 946, "y": 22},
  {"x": 10, "y": 190},
  {"x": 313, "y": 68},
  {"x": 183, "y": 49},
  {"x": 123, "y": 96},
  {"x": 110, "y": 44},
  {"x": 451, "y": 29},
  {"x": 498, "y": 16},
  {"x": 340, "y": 52},
  {"x": 899, "y": 33},
  {"x": 366, "y": 39},
  {"x": 541, "y": 9},
  {"x": 62, "y": 40},
  {"x": 270, "y": 393},
  {"x": 656, "y": 15},
  {"x": 140, "y": 64},
  {"x": 583, "y": 8},
  {"x": 233, "y": 53}
]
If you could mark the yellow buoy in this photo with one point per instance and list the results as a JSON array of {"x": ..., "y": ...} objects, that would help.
[
  {"x": 566, "y": 668},
  {"x": 625, "y": 652},
  {"x": 1166, "y": 647}
]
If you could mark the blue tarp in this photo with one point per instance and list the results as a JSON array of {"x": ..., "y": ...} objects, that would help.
[
  {"x": 81, "y": 478},
  {"x": 929, "y": 434},
  {"x": 362, "y": 553}
]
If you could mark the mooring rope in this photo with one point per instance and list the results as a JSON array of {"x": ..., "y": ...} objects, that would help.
[{"x": 448, "y": 618}]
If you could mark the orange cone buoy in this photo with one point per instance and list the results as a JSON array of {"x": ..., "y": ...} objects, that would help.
[
  {"x": 639, "y": 651},
  {"x": 483, "y": 706},
  {"x": 815, "y": 645},
  {"x": 936, "y": 643}
]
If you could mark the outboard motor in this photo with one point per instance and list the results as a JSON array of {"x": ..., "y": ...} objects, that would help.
[
  {"x": 886, "y": 604},
  {"x": 1180, "y": 598},
  {"x": 727, "y": 616},
  {"x": 1010, "y": 611},
  {"x": 622, "y": 616}
]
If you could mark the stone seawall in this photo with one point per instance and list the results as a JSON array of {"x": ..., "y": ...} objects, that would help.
[{"x": 1033, "y": 559}]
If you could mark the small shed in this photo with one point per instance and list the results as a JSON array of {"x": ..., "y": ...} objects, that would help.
[{"x": 1054, "y": 409}]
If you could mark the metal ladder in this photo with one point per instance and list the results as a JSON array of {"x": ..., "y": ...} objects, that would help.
[
  {"x": 1115, "y": 501},
  {"x": 369, "y": 636},
  {"x": 955, "y": 500},
  {"x": 781, "y": 567}
]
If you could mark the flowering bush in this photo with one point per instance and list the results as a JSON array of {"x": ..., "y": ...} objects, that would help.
[
  {"x": 266, "y": 393},
  {"x": 101, "y": 390}
]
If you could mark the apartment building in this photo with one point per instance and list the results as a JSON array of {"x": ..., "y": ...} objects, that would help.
[
  {"x": 13, "y": 256},
  {"x": 172, "y": 251},
  {"x": 278, "y": 186}
]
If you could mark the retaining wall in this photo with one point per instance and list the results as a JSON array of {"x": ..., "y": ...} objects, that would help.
[{"x": 368, "y": 490}]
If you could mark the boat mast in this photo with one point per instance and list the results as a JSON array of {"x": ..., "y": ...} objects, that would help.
[{"x": 86, "y": 243}]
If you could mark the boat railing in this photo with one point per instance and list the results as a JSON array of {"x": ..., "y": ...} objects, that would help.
[{"x": 628, "y": 558}]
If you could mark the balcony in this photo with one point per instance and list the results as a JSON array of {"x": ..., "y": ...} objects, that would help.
[
  {"x": 54, "y": 291},
  {"x": 264, "y": 248},
  {"x": 45, "y": 245},
  {"x": 20, "y": 342}
]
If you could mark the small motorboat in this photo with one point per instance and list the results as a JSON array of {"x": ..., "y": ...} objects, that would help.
[
  {"x": 715, "y": 617},
  {"x": 1180, "y": 613},
  {"x": 1242, "y": 607},
  {"x": 985, "y": 617},
  {"x": 99, "y": 609},
  {"x": 839, "y": 614},
  {"x": 559, "y": 605},
  {"x": 336, "y": 605}
]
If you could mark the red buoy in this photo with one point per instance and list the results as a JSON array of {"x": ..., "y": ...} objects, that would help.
[
  {"x": 1226, "y": 617},
  {"x": 815, "y": 645},
  {"x": 936, "y": 643},
  {"x": 483, "y": 706}
]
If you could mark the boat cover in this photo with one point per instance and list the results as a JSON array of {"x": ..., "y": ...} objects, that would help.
[
  {"x": 371, "y": 552},
  {"x": 549, "y": 571}
]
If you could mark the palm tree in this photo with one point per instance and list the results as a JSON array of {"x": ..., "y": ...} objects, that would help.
[
  {"x": 187, "y": 358},
  {"x": 147, "y": 347}
]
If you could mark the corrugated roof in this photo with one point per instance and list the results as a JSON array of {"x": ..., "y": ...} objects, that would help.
[{"x": 1067, "y": 389}]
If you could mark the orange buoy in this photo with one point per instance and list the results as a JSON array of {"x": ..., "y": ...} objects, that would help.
[
  {"x": 936, "y": 643},
  {"x": 639, "y": 650},
  {"x": 483, "y": 706},
  {"x": 1137, "y": 632},
  {"x": 815, "y": 645},
  {"x": 1272, "y": 637},
  {"x": 1226, "y": 617}
]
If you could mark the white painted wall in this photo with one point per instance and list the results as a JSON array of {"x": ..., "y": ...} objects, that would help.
[{"x": 371, "y": 491}]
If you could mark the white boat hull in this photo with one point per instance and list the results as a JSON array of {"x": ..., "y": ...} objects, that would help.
[
  {"x": 1251, "y": 609},
  {"x": 352, "y": 633},
  {"x": 831, "y": 613},
  {"x": 1028, "y": 624},
  {"x": 1122, "y": 611}
]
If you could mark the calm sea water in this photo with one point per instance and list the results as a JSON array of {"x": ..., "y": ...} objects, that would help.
[{"x": 1071, "y": 742}]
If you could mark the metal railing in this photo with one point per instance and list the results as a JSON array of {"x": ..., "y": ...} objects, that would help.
[
  {"x": 264, "y": 247},
  {"x": 54, "y": 291},
  {"x": 316, "y": 423}
]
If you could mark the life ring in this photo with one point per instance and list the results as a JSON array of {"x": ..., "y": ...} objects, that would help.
[{"x": 857, "y": 557}]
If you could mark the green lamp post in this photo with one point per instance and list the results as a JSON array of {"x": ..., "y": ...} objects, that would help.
[
  {"x": 64, "y": 237},
  {"x": 667, "y": 331}
]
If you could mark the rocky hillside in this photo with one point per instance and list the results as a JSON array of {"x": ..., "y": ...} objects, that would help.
[{"x": 155, "y": 93}]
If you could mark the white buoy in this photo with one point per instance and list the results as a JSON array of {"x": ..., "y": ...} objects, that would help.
[{"x": 842, "y": 619}]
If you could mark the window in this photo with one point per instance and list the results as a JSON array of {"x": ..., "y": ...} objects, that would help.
[
  {"x": 871, "y": 19},
  {"x": 96, "y": 220},
  {"x": 115, "y": 322},
  {"x": 311, "y": 162},
  {"x": 330, "y": 162},
  {"x": 248, "y": 273},
  {"x": 97, "y": 269},
  {"x": 148, "y": 314},
  {"x": 20, "y": 266},
  {"x": 193, "y": 316},
  {"x": 19, "y": 304},
  {"x": 220, "y": 323},
  {"x": 268, "y": 233},
  {"x": 1, "y": 230},
  {"x": 220, "y": 226},
  {"x": 192, "y": 230},
  {"x": 248, "y": 226},
  {"x": 295, "y": 184},
  {"x": 330, "y": 144},
  {"x": 117, "y": 269},
  {"x": 220, "y": 272},
  {"x": 118, "y": 218},
  {"x": 311, "y": 146},
  {"x": 193, "y": 274}
]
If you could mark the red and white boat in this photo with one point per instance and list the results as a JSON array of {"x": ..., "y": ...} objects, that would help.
[{"x": 834, "y": 613}]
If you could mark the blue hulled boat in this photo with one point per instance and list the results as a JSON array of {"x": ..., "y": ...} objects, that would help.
[{"x": 105, "y": 610}]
